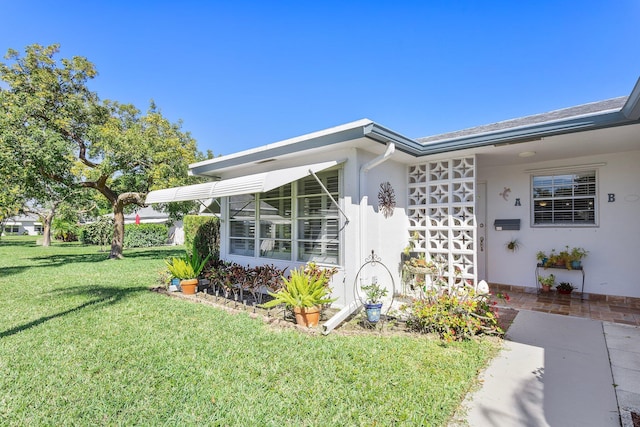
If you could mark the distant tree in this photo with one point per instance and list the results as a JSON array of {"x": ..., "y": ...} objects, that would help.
[
  {"x": 72, "y": 207},
  {"x": 65, "y": 136},
  {"x": 11, "y": 195}
]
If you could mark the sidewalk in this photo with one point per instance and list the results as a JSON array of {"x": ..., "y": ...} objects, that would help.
[
  {"x": 555, "y": 370},
  {"x": 624, "y": 352}
]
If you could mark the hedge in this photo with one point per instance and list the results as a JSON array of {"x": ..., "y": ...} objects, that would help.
[
  {"x": 205, "y": 231},
  {"x": 97, "y": 233},
  {"x": 135, "y": 236},
  {"x": 145, "y": 235}
]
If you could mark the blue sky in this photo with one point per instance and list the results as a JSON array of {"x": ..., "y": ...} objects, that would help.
[{"x": 241, "y": 74}]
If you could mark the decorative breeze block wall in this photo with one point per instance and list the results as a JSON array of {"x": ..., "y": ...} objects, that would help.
[{"x": 442, "y": 211}]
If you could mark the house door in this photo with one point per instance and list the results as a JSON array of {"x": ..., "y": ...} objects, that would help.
[{"x": 481, "y": 217}]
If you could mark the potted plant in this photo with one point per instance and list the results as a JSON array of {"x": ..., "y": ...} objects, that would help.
[
  {"x": 547, "y": 282},
  {"x": 576, "y": 256},
  {"x": 174, "y": 284},
  {"x": 306, "y": 293},
  {"x": 187, "y": 269},
  {"x": 408, "y": 252},
  {"x": 564, "y": 259},
  {"x": 184, "y": 272},
  {"x": 513, "y": 245},
  {"x": 565, "y": 288},
  {"x": 541, "y": 257},
  {"x": 373, "y": 305},
  {"x": 552, "y": 259}
]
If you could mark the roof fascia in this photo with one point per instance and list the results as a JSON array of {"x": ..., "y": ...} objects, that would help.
[
  {"x": 362, "y": 128},
  {"x": 529, "y": 133},
  {"x": 268, "y": 153},
  {"x": 631, "y": 108},
  {"x": 384, "y": 135}
]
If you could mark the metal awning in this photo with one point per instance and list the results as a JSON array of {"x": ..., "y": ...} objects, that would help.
[{"x": 248, "y": 184}]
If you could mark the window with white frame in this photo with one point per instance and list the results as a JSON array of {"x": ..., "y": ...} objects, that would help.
[
  {"x": 565, "y": 199},
  {"x": 295, "y": 222},
  {"x": 12, "y": 229}
]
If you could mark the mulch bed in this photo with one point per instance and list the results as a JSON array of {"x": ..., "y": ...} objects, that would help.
[{"x": 356, "y": 325}]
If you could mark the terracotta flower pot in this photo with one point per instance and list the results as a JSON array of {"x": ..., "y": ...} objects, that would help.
[
  {"x": 189, "y": 286},
  {"x": 307, "y": 316},
  {"x": 545, "y": 288}
]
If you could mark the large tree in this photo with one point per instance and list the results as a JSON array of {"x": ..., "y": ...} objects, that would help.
[{"x": 63, "y": 135}]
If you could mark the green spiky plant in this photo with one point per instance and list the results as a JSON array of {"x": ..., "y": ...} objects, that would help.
[
  {"x": 301, "y": 290},
  {"x": 188, "y": 267},
  {"x": 180, "y": 269}
]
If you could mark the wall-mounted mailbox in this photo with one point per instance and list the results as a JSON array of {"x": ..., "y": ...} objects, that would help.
[{"x": 506, "y": 224}]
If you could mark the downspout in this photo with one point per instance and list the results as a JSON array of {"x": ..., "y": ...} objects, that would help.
[
  {"x": 353, "y": 306},
  {"x": 391, "y": 148}
]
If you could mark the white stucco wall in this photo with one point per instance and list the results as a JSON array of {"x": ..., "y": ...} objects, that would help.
[
  {"x": 386, "y": 236},
  {"x": 613, "y": 244}
]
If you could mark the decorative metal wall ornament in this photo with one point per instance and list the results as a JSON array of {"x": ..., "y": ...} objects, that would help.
[
  {"x": 386, "y": 199},
  {"x": 505, "y": 193}
]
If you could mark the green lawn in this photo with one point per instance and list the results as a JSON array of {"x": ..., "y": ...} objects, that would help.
[{"x": 84, "y": 342}]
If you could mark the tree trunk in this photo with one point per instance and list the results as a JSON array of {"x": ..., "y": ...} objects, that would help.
[
  {"x": 118, "y": 231},
  {"x": 47, "y": 219}
]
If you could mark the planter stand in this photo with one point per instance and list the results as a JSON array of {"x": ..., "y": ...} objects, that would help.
[
  {"x": 579, "y": 269},
  {"x": 375, "y": 268}
]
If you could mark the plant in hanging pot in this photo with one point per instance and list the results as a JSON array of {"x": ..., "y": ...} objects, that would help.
[
  {"x": 513, "y": 245},
  {"x": 306, "y": 293},
  {"x": 373, "y": 303},
  {"x": 547, "y": 282}
]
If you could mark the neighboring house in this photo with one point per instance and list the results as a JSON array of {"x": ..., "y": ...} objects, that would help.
[
  {"x": 148, "y": 215},
  {"x": 23, "y": 224},
  {"x": 570, "y": 176}
]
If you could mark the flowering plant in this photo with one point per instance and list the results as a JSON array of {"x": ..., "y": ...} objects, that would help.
[{"x": 455, "y": 314}]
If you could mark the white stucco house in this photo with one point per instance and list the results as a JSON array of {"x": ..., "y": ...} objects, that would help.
[
  {"x": 571, "y": 177},
  {"x": 28, "y": 223}
]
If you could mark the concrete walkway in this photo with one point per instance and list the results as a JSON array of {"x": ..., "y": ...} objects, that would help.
[
  {"x": 624, "y": 352},
  {"x": 555, "y": 371}
]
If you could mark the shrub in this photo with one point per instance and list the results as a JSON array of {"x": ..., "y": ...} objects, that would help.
[
  {"x": 145, "y": 235},
  {"x": 231, "y": 277},
  {"x": 454, "y": 316},
  {"x": 97, "y": 233},
  {"x": 65, "y": 230},
  {"x": 205, "y": 232}
]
